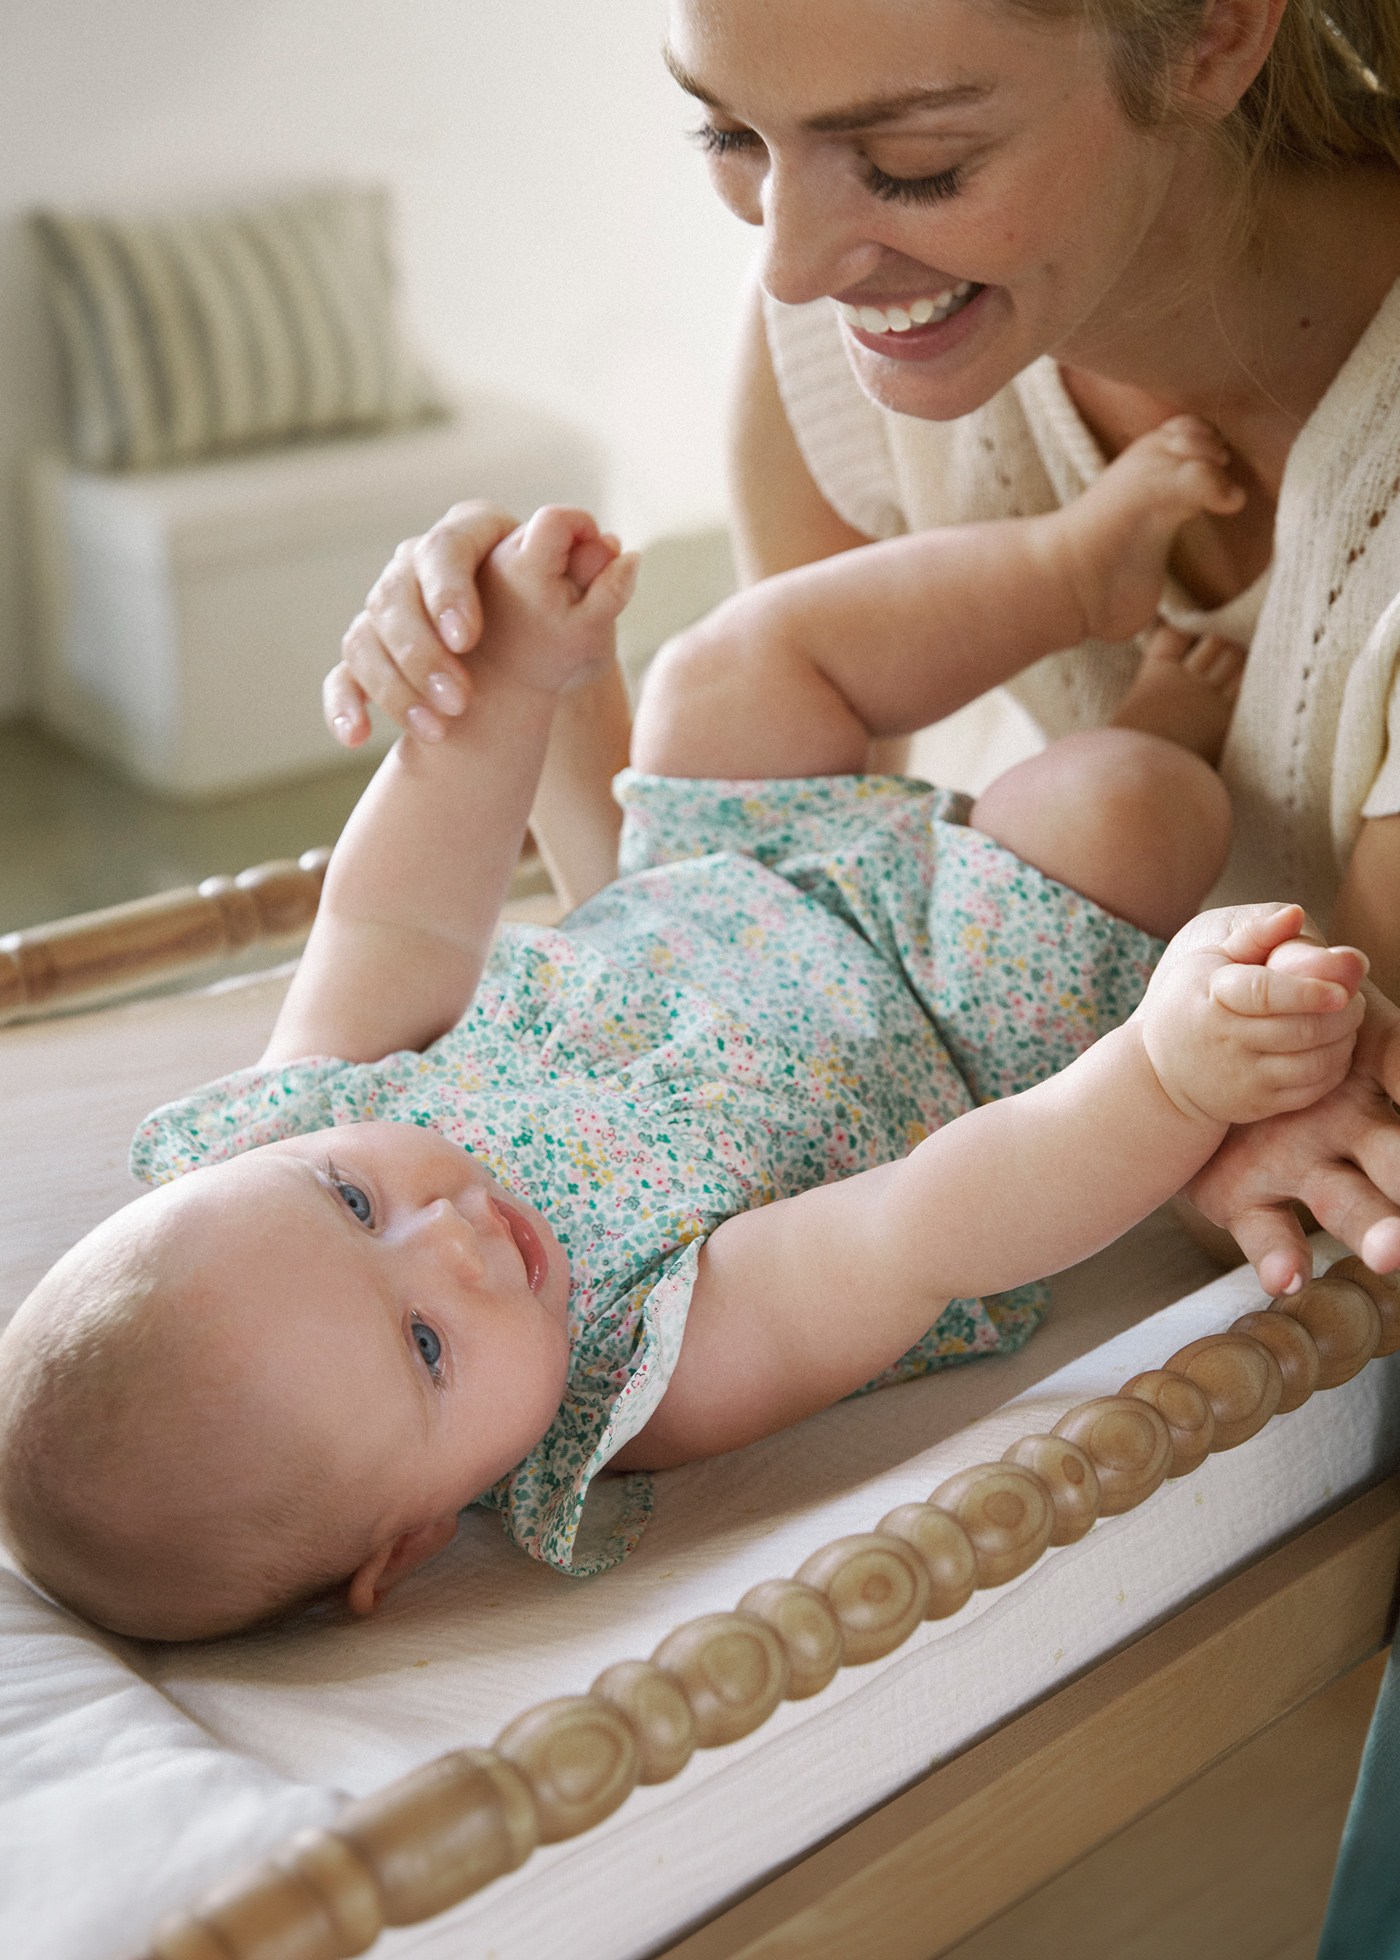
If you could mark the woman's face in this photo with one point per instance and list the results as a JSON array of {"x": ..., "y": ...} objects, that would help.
[{"x": 956, "y": 177}]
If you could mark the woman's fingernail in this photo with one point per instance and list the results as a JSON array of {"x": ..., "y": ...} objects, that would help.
[
  {"x": 344, "y": 726},
  {"x": 453, "y": 629},
  {"x": 424, "y": 723},
  {"x": 446, "y": 694}
]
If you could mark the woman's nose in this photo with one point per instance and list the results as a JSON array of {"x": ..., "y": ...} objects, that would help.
[{"x": 812, "y": 239}]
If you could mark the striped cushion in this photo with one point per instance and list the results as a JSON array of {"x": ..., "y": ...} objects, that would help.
[{"x": 189, "y": 333}]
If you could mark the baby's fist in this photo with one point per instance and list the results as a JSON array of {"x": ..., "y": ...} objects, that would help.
[
  {"x": 551, "y": 593},
  {"x": 1253, "y": 1018}
]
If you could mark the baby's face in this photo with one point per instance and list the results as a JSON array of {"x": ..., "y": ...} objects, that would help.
[{"x": 389, "y": 1294}]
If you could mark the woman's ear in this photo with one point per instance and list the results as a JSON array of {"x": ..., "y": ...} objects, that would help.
[
  {"x": 1231, "y": 46},
  {"x": 395, "y": 1559}
]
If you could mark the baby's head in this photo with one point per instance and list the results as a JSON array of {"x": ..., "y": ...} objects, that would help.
[{"x": 276, "y": 1375}]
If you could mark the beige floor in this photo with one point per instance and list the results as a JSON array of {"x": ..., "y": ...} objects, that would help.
[
  {"x": 1235, "y": 1867},
  {"x": 74, "y": 836}
]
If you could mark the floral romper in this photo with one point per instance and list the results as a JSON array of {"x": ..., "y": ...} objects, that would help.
[{"x": 790, "y": 981}]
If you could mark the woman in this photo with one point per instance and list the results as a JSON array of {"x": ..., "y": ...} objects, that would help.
[
  {"x": 1046, "y": 227},
  {"x": 1001, "y": 238}
]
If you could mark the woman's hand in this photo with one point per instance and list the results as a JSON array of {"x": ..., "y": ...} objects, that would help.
[
  {"x": 403, "y": 652},
  {"x": 1340, "y": 1157}
]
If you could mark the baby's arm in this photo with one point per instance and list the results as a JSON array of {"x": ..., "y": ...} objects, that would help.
[
  {"x": 417, "y": 880},
  {"x": 800, "y": 1302},
  {"x": 796, "y": 675}
]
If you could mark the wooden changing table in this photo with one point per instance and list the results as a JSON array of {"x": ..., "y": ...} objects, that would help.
[{"x": 935, "y": 1860}]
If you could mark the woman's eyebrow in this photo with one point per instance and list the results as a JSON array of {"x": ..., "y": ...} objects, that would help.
[{"x": 857, "y": 115}]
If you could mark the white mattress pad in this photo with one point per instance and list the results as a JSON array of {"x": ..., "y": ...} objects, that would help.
[{"x": 132, "y": 1777}]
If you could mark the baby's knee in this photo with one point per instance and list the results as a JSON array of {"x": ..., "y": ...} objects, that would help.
[
  {"x": 1135, "y": 822},
  {"x": 698, "y": 680}
]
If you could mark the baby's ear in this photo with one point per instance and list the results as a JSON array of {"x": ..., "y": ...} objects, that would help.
[{"x": 393, "y": 1561}]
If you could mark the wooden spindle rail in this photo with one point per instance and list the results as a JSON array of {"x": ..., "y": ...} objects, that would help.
[
  {"x": 124, "y": 947},
  {"x": 444, "y": 1831}
]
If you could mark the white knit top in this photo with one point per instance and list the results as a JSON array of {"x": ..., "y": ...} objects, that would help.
[{"x": 1315, "y": 742}]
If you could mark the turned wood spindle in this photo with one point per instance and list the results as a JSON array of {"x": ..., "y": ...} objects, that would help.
[
  {"x": 1184, "y": 1409},
  {"x": 1068, "y": 1473},
  {"x": 403, "y": 1854},
  {"x": 441, "y": 1832},
  {"x": 1294, "y": 1349},
  {"x": 944, "y": 1547},
  {"x": 877, "y": 1588},
  {"x": 805, "y": 1622},
  {"x": 1239, "y": 1377},
  {"x": 1128, "y": 1443},
  {"x": 1007, "y": 1514},
  {"x": 126, "y": 946},
  {"x": 1384, "y": 1289},
  {"x": 660, "y": 1716},
  {"x": 579, "y": 1758},
  {"x": 732, "y": 1669},
  {"x": 1344, "y": 1321}
]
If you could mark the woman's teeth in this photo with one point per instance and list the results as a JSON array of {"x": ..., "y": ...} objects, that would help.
[{"x": 919, "y": 312}]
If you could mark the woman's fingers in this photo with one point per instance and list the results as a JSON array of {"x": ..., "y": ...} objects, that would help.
[
  {"x": 1347, "y": 1204},
  {"x": 380, "y": 679},
  {"x": 1273, "y": 1241},
  {"x": 435, "y": 679},
  {"x": 445, "y": 560},
  {"x": 402, "y": 653},
  {"x": 343, "y": 705}
]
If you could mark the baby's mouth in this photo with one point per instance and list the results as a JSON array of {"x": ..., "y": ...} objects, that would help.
[
  {"x": 930, "y": 310},
  {"x": 528, "y": 1243}
]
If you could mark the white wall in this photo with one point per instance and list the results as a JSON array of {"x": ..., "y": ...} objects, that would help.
[{"x": 557, "y": 234}]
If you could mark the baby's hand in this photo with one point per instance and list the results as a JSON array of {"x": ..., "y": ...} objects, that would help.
[
  {"x": 550, "y": 594},
  {"x": 1248, "y": 1017}
]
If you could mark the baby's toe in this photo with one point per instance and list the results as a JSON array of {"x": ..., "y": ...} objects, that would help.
[{"x": 1219, "y": 663}]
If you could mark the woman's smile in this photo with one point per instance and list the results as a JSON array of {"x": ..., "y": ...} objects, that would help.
[{"x": 921, "y": 330}]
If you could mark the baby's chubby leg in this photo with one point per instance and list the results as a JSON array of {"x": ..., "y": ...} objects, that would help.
[
  {"x": 1136, "y": 823},
  {"x": 797, "y": 675}
]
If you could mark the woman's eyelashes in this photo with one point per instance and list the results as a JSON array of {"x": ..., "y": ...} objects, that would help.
[
  {"x": 914, "y": 190},
  {"x": 725, "y": 142},
  {"x": 933, "y": 188},
  {"x": 429, "y": 1347}
]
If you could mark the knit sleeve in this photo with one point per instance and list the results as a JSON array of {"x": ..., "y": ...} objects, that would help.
[
  {"x": 841, "y": 434},
  {"x": 1366, "y": 765}
]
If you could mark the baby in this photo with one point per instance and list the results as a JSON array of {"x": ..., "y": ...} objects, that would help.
[{"x": 812, "y": 1096}]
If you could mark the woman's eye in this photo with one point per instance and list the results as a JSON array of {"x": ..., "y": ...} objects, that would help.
[
  {"x": 355, "y": 1201},
  {"x": 914, "y": 190},
  {"x": 428, "y": 1345},
  {"x": 725, "y": 142}
]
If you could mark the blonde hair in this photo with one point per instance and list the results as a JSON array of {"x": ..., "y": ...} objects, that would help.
[
  {"x": 1328, "y": 92},
  {"x": 105, "y": 1495}
]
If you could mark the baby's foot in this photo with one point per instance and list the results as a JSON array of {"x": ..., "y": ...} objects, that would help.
[
  {"x": 1118, "y": 535},
  {"x": 1184, "y": 691},
  {"x": 551, "y": 593}
]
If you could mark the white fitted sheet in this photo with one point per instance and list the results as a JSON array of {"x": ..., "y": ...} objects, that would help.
[{"x": 130, "y": 1778}]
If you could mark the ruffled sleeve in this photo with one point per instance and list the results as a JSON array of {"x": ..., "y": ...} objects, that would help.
[
  {"x": 237, "y": 1113},
  {"x": 616, "y": 1383}
]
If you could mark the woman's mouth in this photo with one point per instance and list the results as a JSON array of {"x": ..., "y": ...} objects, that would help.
[
  {"x": 528, "y": 1243},
  {"x": 909, "y": 328},
  {"x": 929, "y": 310}
]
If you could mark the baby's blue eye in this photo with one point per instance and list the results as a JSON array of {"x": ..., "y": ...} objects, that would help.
[
  {"x": 356, "y": 1201},
  {"x": 427, "y": 1343}
]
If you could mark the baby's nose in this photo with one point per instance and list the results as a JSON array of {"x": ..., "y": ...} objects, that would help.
[{"x": 451, "y": 1235}]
